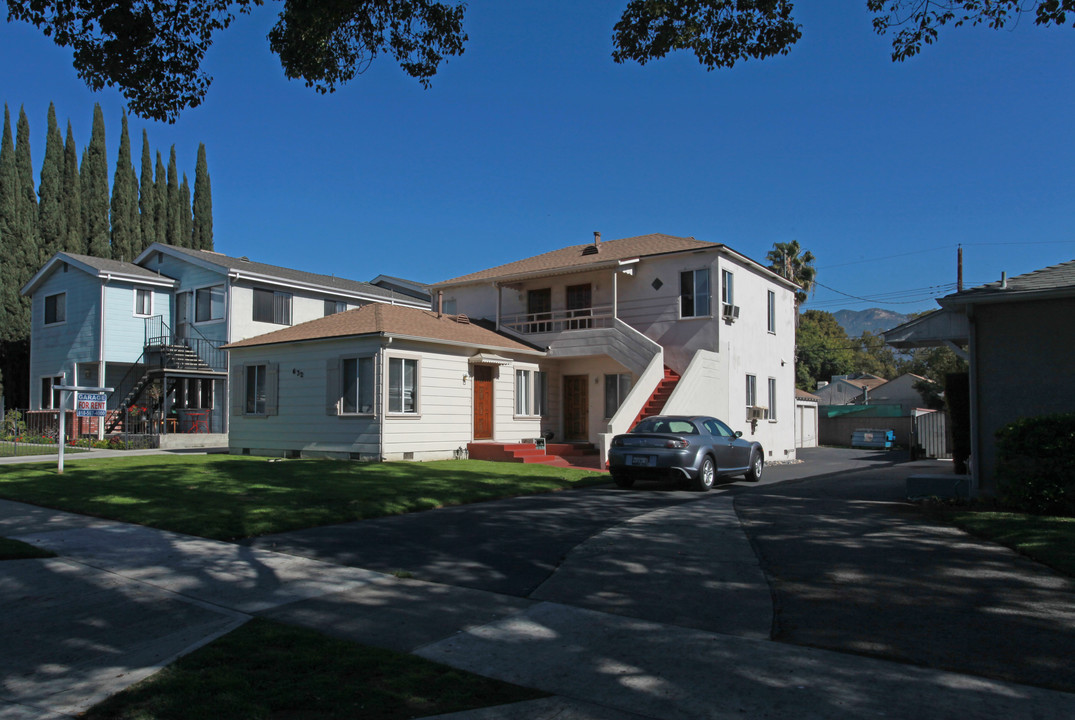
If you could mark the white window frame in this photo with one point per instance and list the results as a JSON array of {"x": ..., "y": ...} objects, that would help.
[
  {"x": 770, "y": 411},
  {"x": 727, "y": 287},
  {"x": 531, "y": 392},
  {"x": 261, "y": 372},
  {"x": 696, "y": 296},
  {"x": 337, "y": 306},
  {"x": 281, "y": 301},
  {"x": 367, "y": 379},
  {"x": 50, "y": 397},
  {"x": 752, "y": 391},
  {"x": 416, "y": 389},
  {"x": 195, "y": 293},
  {"x": 620, "y": 385},
  {"x": 138, "y": 304},
  {"x": 59, "y": 310},
  {"x": 771, "y": 312}
]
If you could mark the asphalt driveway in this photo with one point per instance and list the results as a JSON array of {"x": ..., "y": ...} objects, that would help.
[{"x": 849, "y": 564}]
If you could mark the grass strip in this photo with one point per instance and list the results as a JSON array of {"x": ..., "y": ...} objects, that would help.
[
  {"x": 228, "y": 497},
  {"x": 1047, "y": 539},
  {"x": 17, "y": 550},
  {"x": 271, "y": 671}
]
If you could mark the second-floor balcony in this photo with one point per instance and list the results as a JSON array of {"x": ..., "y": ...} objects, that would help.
[{"x": 557, "y": 321}]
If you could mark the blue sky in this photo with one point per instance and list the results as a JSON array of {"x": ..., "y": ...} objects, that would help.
[{"x": 534, "y": 138}]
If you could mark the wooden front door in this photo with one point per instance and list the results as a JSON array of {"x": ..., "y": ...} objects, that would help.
[
  {"x": 483, "y": 402},
  {"x": 576, "y": 407}
]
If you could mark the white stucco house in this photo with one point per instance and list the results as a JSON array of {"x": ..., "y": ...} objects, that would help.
[
  {"x": 156, "y": 326},
  {"x": 1018, "y": 333},
  {"x": 570, "y": 346}
]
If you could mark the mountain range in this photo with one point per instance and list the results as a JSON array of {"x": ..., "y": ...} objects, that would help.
[{"x": 876, "y": 320}]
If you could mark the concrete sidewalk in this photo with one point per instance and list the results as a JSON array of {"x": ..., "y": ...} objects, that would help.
[{"x": 123, "y": 600}]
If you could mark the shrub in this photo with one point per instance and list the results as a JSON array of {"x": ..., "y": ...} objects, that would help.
[{"x": 1036, "y": 464}]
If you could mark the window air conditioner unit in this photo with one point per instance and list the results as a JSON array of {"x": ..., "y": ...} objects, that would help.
[
  {"x": 756, "y": 412},
  {"x": 730, "y": 312}
]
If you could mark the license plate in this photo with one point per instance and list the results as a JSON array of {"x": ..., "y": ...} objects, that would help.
[{"x": 642, "y": 460}]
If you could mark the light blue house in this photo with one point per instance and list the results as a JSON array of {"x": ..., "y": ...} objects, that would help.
[{"x": 152, "y": 329}]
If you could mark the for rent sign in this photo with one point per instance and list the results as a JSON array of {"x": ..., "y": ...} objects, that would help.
[{"x": 91, "y": 405}]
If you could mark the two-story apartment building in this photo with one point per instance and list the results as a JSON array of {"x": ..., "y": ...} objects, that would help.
[
  {"x": 575, "y": 344},
  {"x": 152, "y": 329}
]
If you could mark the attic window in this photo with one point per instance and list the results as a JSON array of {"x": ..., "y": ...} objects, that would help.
[{"x": 590, "y": 250}]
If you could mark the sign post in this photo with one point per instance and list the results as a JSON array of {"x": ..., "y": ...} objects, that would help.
[{"x": 92, "y": 403}]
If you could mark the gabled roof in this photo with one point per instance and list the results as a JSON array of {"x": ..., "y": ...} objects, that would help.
[
  {"x": 402, "y": 285},
  {"x": 808, "y": 397},
  {"x": 392, "y": 321},
  {"x": 103, "y": 268},
  {"x": 600, "y": 254},
  {"x": 243, "y": 267},
  {"x": 1052, "y": 281}
]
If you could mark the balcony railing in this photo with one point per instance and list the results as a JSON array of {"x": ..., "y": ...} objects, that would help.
[{"x": 598, "y": 316}]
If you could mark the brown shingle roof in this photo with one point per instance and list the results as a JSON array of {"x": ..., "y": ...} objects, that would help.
[
  {"x": 579, "y": 256},
  {"x": 397, "y": 320}
]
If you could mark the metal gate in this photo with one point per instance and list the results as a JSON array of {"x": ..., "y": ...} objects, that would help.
[{"x": 931, "y": 434}]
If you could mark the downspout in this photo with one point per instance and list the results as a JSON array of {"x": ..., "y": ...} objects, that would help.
[
  {"x": 498, "y": 303},
  {"x": 191, "y": 310},
  {"x": 615, "y": 295}
]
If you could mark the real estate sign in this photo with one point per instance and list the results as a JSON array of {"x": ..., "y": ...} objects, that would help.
[{"x": 91, "y": 405}]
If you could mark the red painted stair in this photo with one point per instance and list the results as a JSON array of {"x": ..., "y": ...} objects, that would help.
[{"x": 660, "y": 396}]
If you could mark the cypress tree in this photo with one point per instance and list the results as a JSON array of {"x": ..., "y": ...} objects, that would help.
[
  {"x": 125, "y": 230},
  {"x": 174, "y": 225},
  {"x": 95, "y": 189},
  {"x": 186, "y": 222},
  {"x": 160, "y": 202},
  {"x": 52, "y": 222},
  {"x": 145, "y": 196},
  {"x": 8, "y": 226},
  {"x": 75, "y": 241},
  {"x": 202, "y": 234},
  {"x": 23, "y": 252}
]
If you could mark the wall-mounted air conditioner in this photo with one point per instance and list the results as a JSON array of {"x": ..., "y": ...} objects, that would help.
[
  {"x": 729, "y": 312},
  {"x": 756, "y": 412}
]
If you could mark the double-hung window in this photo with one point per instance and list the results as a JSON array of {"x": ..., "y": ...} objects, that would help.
[
  {"x": 256, "y": 383},
  {"x": 771, "y": 412},
  {"x": 356, "y": 386},
  {"x": 209, "y": 303},
  {"x": 694, "y": 293},
  {"x": 143, "y": 302},
  {"x": 616, "y": 389},
  {"x": 531, "y": 392},
  {"x": 50, "y": 398},
  {"x": 772, "y": 312},
  {"x": 727, "y": 287},
  {"x": 752, "y": 391},
  {"x": 55, "y": 308},
  {"x": 272, "y": 307},
  {"x": 403, "y": 385},
  {"x": 334, "y": 306}
]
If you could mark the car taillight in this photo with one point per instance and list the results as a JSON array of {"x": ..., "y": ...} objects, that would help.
[{"x": 678, "y": 444}]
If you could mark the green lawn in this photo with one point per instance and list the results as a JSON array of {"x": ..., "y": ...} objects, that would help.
[
  {"x": 11, "y": 449},
  {"x": 229, "y": 497},
  {"x": 15, "y": 550},
  {"x": 271, "y": 671},
  {"x": 1048, "y": 540}
]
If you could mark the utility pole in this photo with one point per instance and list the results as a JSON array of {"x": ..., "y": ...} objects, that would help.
[{"x": 959, "y": 269}]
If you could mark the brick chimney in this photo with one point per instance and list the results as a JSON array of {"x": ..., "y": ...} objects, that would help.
[{"x": 596, "y": 236}]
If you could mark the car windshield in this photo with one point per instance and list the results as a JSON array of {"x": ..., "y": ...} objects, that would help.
[{"x": 666, "y": 425}]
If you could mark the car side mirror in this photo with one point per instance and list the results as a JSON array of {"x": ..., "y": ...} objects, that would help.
[{"x": 739, "y": 433}]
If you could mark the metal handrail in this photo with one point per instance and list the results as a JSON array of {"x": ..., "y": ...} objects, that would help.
[{"x": 597, "y": 316}]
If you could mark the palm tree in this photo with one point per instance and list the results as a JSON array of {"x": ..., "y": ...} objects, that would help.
[{"x": 790, "y": 261}]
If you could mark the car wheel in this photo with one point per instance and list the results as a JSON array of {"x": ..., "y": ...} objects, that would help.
[
  {"x": 707, "y": 474},
  {"x": 623, "y": 481},
  {"x": 757, "y": 465}
]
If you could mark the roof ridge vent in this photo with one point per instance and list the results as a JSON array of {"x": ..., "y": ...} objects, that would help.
[
  {"x": 461, "y": 319},
  {"x": 590, "y": 250}
]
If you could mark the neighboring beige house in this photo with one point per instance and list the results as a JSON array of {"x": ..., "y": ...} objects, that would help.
[
  {"x": 382, "y": 382},
  {"x": 571, "y": 346},
  {"x": 901, "y": 391},
  {"x": 1019, "y": 332}
]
